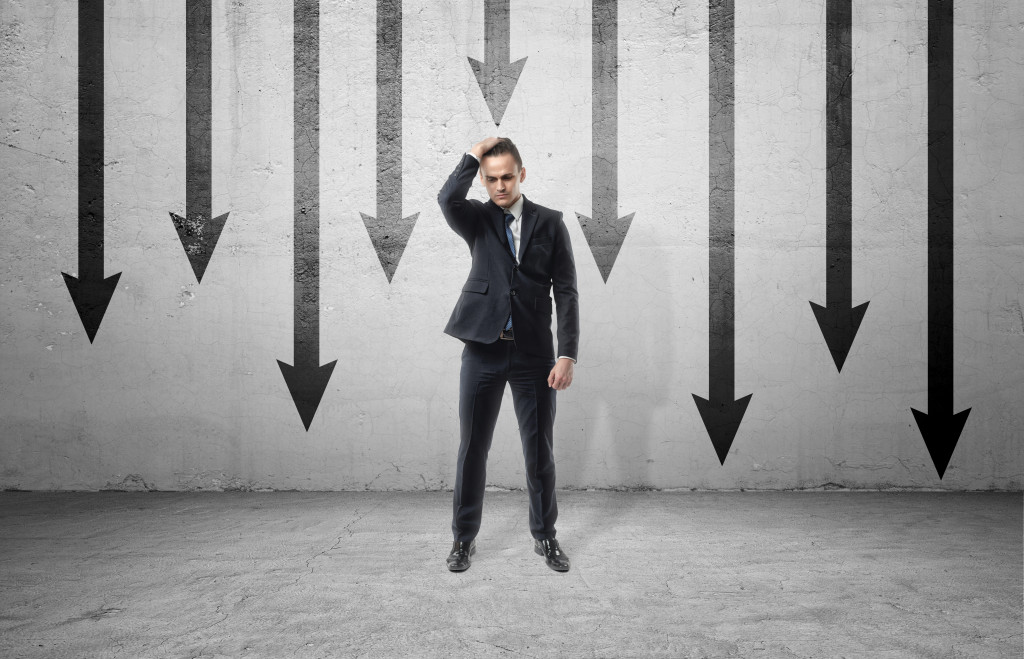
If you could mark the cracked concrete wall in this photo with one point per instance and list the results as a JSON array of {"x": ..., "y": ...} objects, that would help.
[{"x": 181, "y": 389}]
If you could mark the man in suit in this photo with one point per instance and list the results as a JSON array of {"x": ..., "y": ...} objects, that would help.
[{"x": 521, "y": 253}]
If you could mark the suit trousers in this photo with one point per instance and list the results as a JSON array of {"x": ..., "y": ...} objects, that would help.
[{"x": 486, "y": 368}]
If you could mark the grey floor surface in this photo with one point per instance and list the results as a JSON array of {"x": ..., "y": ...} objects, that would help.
[{"x": 654, "y": 574}]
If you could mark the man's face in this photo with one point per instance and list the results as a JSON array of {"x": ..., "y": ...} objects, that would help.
[{"x": 501, "y": 176}]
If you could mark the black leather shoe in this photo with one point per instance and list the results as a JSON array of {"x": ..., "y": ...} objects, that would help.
[
  {"x": 552, "y": 553},
  {"x": 458, "y": 560}
]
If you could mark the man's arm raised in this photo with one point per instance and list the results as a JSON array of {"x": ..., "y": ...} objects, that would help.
[{"x": 452, "y": 197}]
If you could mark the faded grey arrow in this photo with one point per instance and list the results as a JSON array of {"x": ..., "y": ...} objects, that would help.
[
  {"x": 389, "y": 231},
  {"x": 198, "y": 231},
  {"x": 496, "y": 75},
  {"x": 606, "y": 231}
]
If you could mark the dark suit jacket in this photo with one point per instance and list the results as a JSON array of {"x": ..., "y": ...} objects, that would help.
[{"x": 496, "y": 285}]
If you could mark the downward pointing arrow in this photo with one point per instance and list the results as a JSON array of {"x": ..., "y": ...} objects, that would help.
[
  {"x": 839, "y": 320},
  {"x": 90, "y": 291},
  {"x": 389, "y": 231},
  {"x": 606, "y": 232},
  {"x": 496, "y": 75},
  {"x": 198, "y": 231},
  {"x": 940, "y": 427},
  {"x": 307, "y": 380},
  {"x": 721, "y": 412}
]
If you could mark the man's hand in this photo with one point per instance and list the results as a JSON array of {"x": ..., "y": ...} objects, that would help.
[
  {"x": 561, "y": 375},
  {"x": 483, "y": 146}
]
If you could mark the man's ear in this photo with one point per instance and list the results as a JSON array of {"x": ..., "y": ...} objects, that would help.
[{"x": 522, "y": 174}]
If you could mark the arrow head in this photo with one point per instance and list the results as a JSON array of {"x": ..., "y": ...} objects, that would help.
[
  {"x": 497, "y": 82},
  {"x": 199, "y": 237},
  {"x": 91, "y": 298},
  {"x": 605, "y": 238},
  {"x": 307, "y": 385},
  {"x": 839, "y": 325},
  {"x": 941, "y": 433},
  {"x": 389, "y": 238},
  {"x": 722, "y": 420}
]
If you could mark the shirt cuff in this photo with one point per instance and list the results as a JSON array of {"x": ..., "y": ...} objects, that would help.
[
  {"x": 470, "y": 153},
  {"x": 564, "y": 357}
]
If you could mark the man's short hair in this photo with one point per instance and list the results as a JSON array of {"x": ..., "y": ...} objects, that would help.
[{"x": 505, "y": 145}]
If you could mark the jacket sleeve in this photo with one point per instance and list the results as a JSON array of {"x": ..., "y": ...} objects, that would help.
[
  {"x": 563, "y": 283},
  {"x": 460, "y": 214}
]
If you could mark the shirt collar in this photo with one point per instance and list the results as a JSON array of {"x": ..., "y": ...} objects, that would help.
[{"x": 515, "y": 209}]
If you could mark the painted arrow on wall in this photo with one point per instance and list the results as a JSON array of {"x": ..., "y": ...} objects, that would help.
[
  {"x": 496, "y": 75},
  {"x": 307, "y": 380},
  {"x": 940, "y": 427},
  {"x": 606, "y": 231},
  {"x": 90, "y": 290},
  {"x": 721, "y": 412},
  {"x": 838, "y": 319},
  {"x": 198, "y": 230},
  {"x": 389, "y": 231}
]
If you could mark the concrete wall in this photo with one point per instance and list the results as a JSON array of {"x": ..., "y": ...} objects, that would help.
[{"x": 181, "y": 388}]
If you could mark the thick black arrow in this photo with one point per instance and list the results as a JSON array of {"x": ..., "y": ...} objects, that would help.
[
  {"x": 606, "y": 232},
  {"x": 307, "y": 380},
  {"x": 389, "y": 231},
  {"x": 90, "y": 291},
  {"x": 940, "y": 427},
  {"x": 838, "y": 319},
  {"x": 198, "y": 230},
  {"x": 496, "y": 75},
  {"x": 721, "y": 412}
]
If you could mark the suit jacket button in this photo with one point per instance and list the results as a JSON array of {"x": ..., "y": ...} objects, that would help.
[{"x": 512, "y": 292}]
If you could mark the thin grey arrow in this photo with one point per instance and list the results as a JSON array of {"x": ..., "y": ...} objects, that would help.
[
  {"x": 838, "y": 319},
  {"x": 198, "y": 231},
  {"x": 307, "y": 380},
  {"x": 721, "y": 412},
  {"x": 389, "y": 231},
  {"x": 606, "y": 231},
  {"x": 90, "y": 290},
  {"x": 940, "y": 427},
  {"x": 496, "y": 75}
]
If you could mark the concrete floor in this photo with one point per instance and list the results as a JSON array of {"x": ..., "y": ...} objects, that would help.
[{"x": 796, "y": 574}]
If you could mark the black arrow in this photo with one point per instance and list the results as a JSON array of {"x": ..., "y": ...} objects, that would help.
[
  {"x": 496, "y": 75},
  {"x": 606, "y": 232},
  {"x": 389, "y": 231},
  {"x": 307, "y": 380},
  {"x": 838, "y": 319},
  {"x": 721, "y": 412},
  {"x": 198, "y": 230},
  {"x": 90, "y": 291},
  {"x": 940, "y": 428}
]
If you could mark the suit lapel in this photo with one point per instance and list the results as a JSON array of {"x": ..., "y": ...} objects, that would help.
[
  {"x": 498, "y": 225},
  {"x": 529, "y": 223}
]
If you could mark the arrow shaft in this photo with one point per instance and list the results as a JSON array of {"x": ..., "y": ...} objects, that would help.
[
  {"x": 605, "y": 90},
  {"x": 838, "y": 154},
  {"x": 497, "y": 31},
  {"x": 389, "y": 109},
  {"x": 940, "y": 206},
  {"x": 307, "y": 182},
  {"x": 721, "y": 266},
  {"x": 90, "y": 139},
  {"x": 198, "y": 108}
]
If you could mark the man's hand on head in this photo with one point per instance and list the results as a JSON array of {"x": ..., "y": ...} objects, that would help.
[
  {"x": 561, "y": 375},
  {"x": 483, "y": 146}
]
